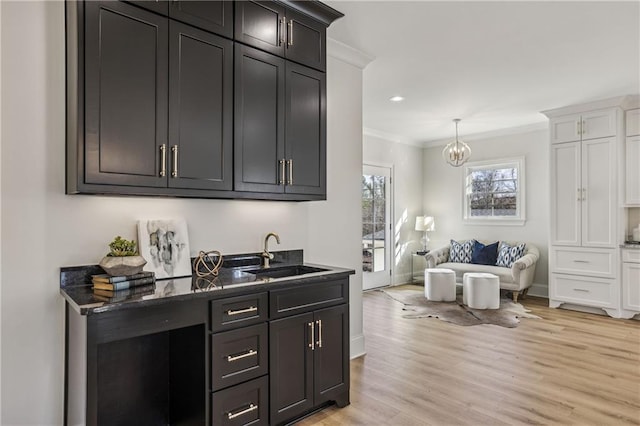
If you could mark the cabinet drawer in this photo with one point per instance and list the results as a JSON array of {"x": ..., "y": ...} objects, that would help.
[
  {"x": 307, "y": 297},
  {"x": 239, "y": 355},
  {"x": 631, "y": 255},
  {"x": 234, "y": 312},
  {"x": 242, "y": 404},
  {"x": 584, "y": 290},
  {"x": 600, "y": 263}
]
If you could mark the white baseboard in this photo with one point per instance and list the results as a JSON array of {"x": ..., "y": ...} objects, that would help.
[
  {"x": 357, "y": 346},
  {"x": 539, "y": 290}
]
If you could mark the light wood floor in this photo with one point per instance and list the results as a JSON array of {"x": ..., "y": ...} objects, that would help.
[{"x": 567, "y": 368}]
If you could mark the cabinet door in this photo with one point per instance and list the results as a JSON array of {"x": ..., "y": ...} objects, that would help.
[
  {"x": 126, "y": 71},
  {"x": 331, "y": 355},
  {"x": 599, "y": 193},
  {"x": 566, "y": 194},
  {"x": 305, "y": 130},
  {"x": 598, "y": 124},
  {"x": 306, "y": 40},
  {"x": 161, "y": 7},
  {"x": 213, "y": 16},
  {"x": 631, "y": 286},
  {"x": 261, "y": 24},
  {"x": 200, "y": 110},
  {"x": 565, "y": 129},
  {"x": 632, "y": 122},
  {"x": 291, "y": 346},
  {"x": 259, "y": 121},
  {"x": 632, "y": 170}
]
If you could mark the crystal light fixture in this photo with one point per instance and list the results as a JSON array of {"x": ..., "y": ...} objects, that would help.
[{"x": 456, "y": 153}]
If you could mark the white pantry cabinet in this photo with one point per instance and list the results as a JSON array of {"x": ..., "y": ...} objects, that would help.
[
  {"x": 632, "y": 158},
  {"x": 587, "y": 125},
  {"x": 631, "y": 281}
]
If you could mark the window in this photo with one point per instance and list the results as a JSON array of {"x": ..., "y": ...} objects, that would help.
[{"x": 494, "y": 192}]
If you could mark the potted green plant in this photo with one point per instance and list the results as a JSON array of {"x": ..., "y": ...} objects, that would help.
[{"x": 123, "y": 258}]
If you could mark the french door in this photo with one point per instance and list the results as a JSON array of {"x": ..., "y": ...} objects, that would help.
[{"x": 376, "y": 226}]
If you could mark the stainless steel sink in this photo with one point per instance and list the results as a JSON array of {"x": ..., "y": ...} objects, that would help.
[{"x": 284, "y": 271}]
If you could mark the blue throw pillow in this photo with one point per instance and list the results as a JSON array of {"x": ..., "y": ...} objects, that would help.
[
  {"x": 485, "y": 254},
  {"x": 507, "y": 254},
  {"x": 461, "y": 252}
]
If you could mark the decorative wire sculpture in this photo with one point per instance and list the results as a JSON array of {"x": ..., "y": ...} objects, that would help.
[
  {"x": 205, "y": 283},
  {"x": 205, "y": 266}
]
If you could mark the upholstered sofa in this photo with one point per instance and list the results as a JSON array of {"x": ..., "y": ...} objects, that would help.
[{"x": 516, "y": 279}]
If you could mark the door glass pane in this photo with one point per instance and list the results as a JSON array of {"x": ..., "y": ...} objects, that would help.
[{"x": 374, "y": 226}]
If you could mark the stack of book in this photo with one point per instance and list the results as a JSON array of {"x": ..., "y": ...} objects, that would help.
[{"x": 117, "y": 288}]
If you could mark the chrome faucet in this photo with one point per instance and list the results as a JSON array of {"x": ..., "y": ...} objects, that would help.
[{"x": 266, "y": 256}]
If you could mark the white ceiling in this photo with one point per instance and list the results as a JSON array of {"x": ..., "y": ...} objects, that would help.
[{"x": 495, "y": 65}]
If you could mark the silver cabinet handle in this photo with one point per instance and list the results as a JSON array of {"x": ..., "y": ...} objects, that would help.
[
  {"x": 290, "y": 36},
  {"x": 242, "y": 311},
  {"x": 252, "y": 407},
  {"x": 581, "y": 289},
  {"x": 282, "y": 171},
  {"x": 290, "y": 163},
  {"x": 282, "y": 30},
  {"x": 583, "y": 127},
  {"x": 319, "y": 342},
  {"x": 579, "y": 195},
  {"x": 163, "y": 160},
  {"x": 312, "y": 342},
  {"x": 174, "y": 151},
  {"x": 578, "y": 127},
  {"x": 251, "y": 352},
  {"x": 581, "y": 261},
  {"x": 584, "y": 194}
]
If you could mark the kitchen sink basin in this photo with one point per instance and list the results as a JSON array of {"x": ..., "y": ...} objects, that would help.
[{"x": 284, "y": 271}]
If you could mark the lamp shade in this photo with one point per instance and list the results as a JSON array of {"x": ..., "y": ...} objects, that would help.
[
  {"x": 420, "y": 223},
  {"x": 429, "y": 223}
]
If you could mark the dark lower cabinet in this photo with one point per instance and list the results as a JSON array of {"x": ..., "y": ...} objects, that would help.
[
  {"x": 309, "y": 362},
  {"x": 244, "y": 404}
]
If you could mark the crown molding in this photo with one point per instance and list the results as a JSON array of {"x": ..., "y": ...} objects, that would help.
[
  {"x": 534, "y": 127},
  {"x": 617, "y": 101},
  {"x": 348, "y": 54},
  {"x": 391, "y": 137}
]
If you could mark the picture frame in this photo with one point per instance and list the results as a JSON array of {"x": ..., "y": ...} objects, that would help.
[{"x": 164, "y": 243}]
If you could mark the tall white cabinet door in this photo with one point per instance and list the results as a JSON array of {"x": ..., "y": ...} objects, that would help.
[
  {"x": 598, "y": 192},
  {"x": 565, "y": 129},
  {"x": 565, "y": 195},
  {"x": 632, "y": 170},
  {"x": 598, "y": 124}
]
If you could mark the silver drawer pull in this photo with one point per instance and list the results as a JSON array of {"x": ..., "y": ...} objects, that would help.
[
  {"x": 581, "y": 289},
  {"x": 231, "y": 358},
  {"x": 251, "y": 408},
  {"x": 581, "y": 261},
  {"x": 242, "y": 311}
]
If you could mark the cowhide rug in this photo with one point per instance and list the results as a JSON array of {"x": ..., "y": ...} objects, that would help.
[{"x": 412, "y": 297}]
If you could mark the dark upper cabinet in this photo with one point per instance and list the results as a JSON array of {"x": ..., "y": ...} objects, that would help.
[
  {"x": 309, "y": 362},
  {"x": 280, "y": 120},
  {"x": 126, "y": 71},
  {"x": 213, "y": 16},
  {"x": 305, "y": 138},
  {"x": 282, "y": 31},
  {"x": 200, "y": 110}
]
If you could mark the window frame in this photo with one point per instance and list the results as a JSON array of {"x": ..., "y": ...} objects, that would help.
[{"x": 520, "y": 218}]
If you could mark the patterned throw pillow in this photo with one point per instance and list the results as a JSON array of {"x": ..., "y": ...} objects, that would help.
[
  {"x": 461, "y": 252},
  {"x": 507, "y": 254}
]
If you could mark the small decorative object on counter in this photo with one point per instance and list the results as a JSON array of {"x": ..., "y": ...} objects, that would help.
[
  {"x": 206, "y": 264},
  {"x": 123, "y": 258},
  {"x": 636, "y": 234}
]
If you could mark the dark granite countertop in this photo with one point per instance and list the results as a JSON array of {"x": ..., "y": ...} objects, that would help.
[
  {"x": 630, "y": 245},
  {"x": 232, "y": 279}
]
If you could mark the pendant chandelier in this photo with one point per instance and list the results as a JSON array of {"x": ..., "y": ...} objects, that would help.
[{"x": 456, "y": 153}]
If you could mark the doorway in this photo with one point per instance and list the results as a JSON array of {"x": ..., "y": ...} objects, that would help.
[{"x": 376, "y": 226}]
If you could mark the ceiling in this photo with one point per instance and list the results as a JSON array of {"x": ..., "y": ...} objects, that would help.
[{"x": 495, "y": 65}]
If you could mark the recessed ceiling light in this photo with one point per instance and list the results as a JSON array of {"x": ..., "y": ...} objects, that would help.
[{"x": 396, "y": 99}]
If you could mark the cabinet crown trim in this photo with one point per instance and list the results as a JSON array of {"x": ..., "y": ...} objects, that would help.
[{"x": 618, "y": 102}]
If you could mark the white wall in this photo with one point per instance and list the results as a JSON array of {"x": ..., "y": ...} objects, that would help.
[
  {"x": 44, "y": 229},
  {"x": 406, "y": 161},
  {"x": 0, "y": 215},
  {"x": 335, "y": 225},
  {"x": 443, "y": 196}
]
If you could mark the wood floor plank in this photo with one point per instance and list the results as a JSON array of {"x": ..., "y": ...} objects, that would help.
[{"x": 567, "y": 368}]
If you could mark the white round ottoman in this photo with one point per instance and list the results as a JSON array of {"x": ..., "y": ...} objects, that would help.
[
  {"x": 440, "y": 284},
  {"x": 481, "y": 290}
]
